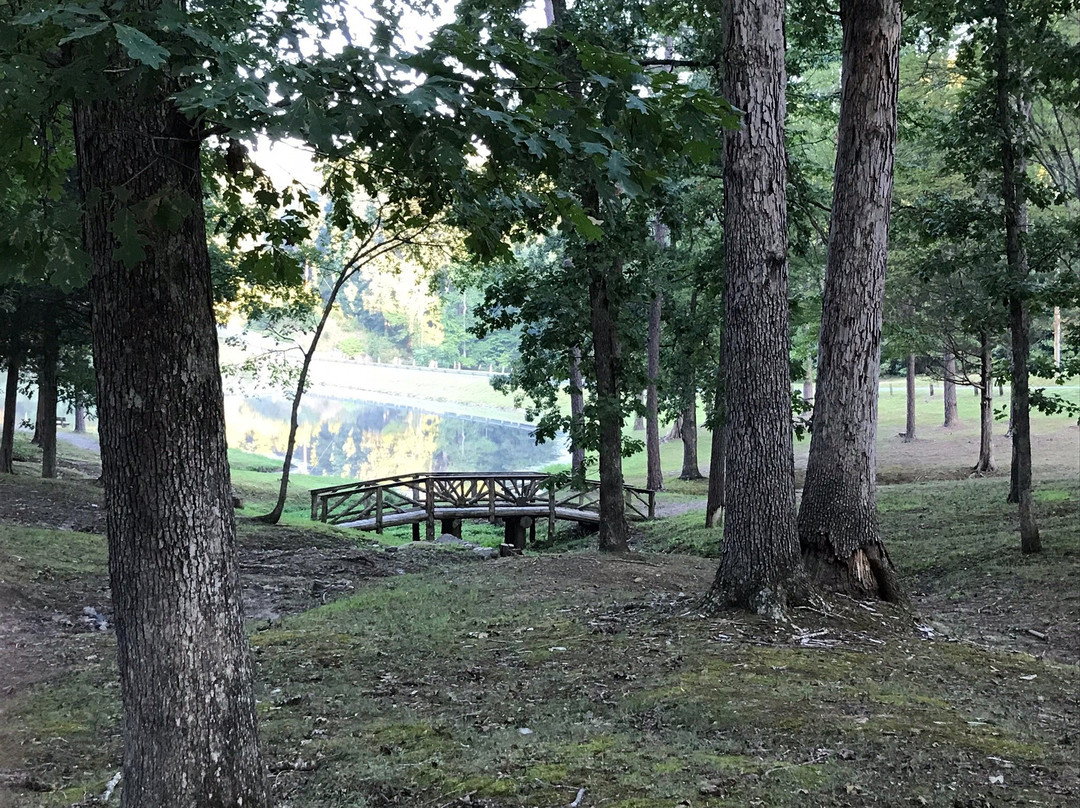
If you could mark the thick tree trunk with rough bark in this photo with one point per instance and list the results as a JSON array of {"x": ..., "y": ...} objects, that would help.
[
  {"x": 11, "y": 392},
  {"x": 577, "y": 415},
  {"x": 985, "y": 464},
  {"x": 80, "y": 419},
  {"x": 606, "y": 353},
  {"x": 189, "y": 714},
  {"x": 838, "y": 524},
  {"x": 688, "y": 433},
  {"x": 759, "y": 566},
  {"x": 909, "y": 389},
  {"x": 948, "y": 364},
  {"x": 654, "y": 474},
  {"x": 47, "y": 390},
  {"x": 1015, "y": 206}
]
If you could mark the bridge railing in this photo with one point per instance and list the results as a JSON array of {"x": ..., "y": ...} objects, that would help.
[{"x": 492, "y": 492}]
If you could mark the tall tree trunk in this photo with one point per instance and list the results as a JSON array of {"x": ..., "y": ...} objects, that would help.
[
  {"x": 985, "y": 464},
  {"x": 80, "y": 419},
  {"x": 189, "y": 721},
  {"x": 808, "y": 381},
  {"x": 39, "y": 418},
  {"x": 577, "y": 416},
  {"x": 654, "y": 475},
  {"x": 909, "y": 426},
  {"x": 759, "y": 565},
  {"x": 1057, "y": 336},
  {"x": 717, "y": 490},
  {"x": 1012, "y": 192},
  {"x": 11, "y": 392},
  {"x": 838, "y": 522},
  {"x": 47, "y": 382},
  {"x": 949, "y": 392},
  {"x": 688, "y": 432},
  {"x": 606, "y": 353},
  {"x": 274, "y": 516},
  {"x": 718, "y": 443}
]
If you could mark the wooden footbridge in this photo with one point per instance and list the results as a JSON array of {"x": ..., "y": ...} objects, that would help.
[{"x": 518, "y": 499}]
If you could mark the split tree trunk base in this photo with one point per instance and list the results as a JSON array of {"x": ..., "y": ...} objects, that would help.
[{"x": 868, "y": 574}]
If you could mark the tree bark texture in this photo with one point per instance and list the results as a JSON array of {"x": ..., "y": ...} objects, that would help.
[
  {"x": 11, "y": 392},
  {"x": 47, "y": 391},
  {"x": 654, "y": 474},
  {"x": 189, "y": 714},
  {"x": 80, "y": 419},
  {"x": 1015, "y": 208},
  {"x": 952, "y": 417},
  {"x": 838, "y": 524},
  {"x": 985, "y": 464},
  {"x": 688, "y": 433},
  {"x": 909, "y": 421},
  {"x": 577, "y": 416},
  {"x": 759, "y": 565},
  {"x": 606, "y": 354}
]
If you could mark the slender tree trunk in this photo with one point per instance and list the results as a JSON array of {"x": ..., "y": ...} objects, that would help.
[
  {"x": 949, "y": 393},
  {"x": 606, "y": 358},
  {"x": 11, "y": 392},
  {"x": 808, "y": 381},
  {"x": 577, "y": 416},
  {"x": 654, "y": 476},
  {"x": 189, "y": 714},
  {"x": 1057, "y": 336},
  {"x": 714, "y": 507},
  {"x": 688, "y": 432},
  {"x": 80, "y": 419},
  {"x": 47, "y": 383},
  {"x": 985, "y": 464},
  {"x": 39, "y": 418},
  {"x": 606, "y": 353},
  {"x": 838, "y": 523},
  {"x": 675, "y": 432},
  {"x": 759, "y": 565},
  {"x": 274, "y": 516},
  {"x": 1012, "y": 192},
  {"x": 909, "y": 428}
]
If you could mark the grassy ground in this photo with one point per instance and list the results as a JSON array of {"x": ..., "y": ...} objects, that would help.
[{"x": 521, "y": 681}]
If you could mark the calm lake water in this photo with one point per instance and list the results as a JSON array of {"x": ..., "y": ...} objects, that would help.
[{"x": 365, "y": 439}]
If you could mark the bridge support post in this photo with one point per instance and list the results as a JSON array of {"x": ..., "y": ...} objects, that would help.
[
  {"x": 416, "y": 531},
  {"x": 429, "y": 503},
  {"x": 514, "y": 530},
  {"x": 451, "y": 527},
  {"x": 551, "y": 510}
]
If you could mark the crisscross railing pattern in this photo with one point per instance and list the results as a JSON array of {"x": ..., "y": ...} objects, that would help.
[{"x": 416, "y": 498}]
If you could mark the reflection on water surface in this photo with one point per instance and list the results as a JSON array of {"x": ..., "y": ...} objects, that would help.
[{"x": 364, "y": 439}]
